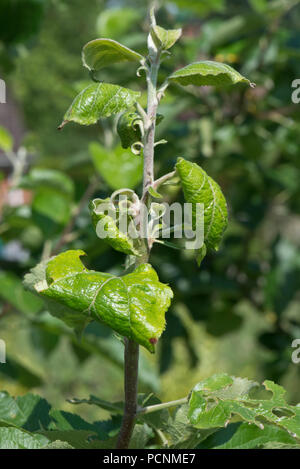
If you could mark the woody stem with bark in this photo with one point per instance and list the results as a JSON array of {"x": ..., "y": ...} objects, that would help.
[{"x": 131, "y": 355}]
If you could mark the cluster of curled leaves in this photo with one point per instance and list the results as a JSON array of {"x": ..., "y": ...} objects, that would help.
[
  {"x": 134, "y": 304},
  {"x": 221, "y": 412}
]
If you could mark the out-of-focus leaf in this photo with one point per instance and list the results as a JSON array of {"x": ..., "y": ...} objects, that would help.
[
  {"x": 41, "y": 177},
  {"x": 118, "y": 167},
  {"x": 133, "y": 305},
  {"x": 50, "y": 208},
  {"x": 165, "y": 38},
  {"x": 6, "y": 140},
  {"x": 29, "y": 411},
  {"x": 215, "y": 401},
  {"x": 140, "y": 437},
  {"x": 206, "y": 73},
  {"x": 12, "y": 290},
  {"x": 99, "y": 100},
  {"x": 245, "y": 436},
  {"x": 100, "y": 53},
  {"x": 114, "y": 22}
]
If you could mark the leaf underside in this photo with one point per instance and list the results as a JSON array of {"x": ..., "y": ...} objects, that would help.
[
  {"x": 100, "y": 53},
  {"x": 208, "y": 73},
  {"x": 133, "y": 305}
]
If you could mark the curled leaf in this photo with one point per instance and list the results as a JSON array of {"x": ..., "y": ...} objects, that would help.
[
  {"x": 198, "y": 187},
  {"x": 108, "y": 225},
  {"x": 128, "y": 128},
  {"x": 100, "y": 53},
  {"x": 99, "y": 100},
  {"x": 133, "y": 305}
]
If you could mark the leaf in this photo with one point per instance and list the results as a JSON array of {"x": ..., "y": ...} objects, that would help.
[
  {"x": 6, "y": 140},
  {"x": 111, "y": 407},
  {"x": 245, "y": 436},
  {"x": 118, "y": 167},
  {"x": 14, "y": 438},
  {"x": 181, "y": 434},
  {"x": 99, "y": 100},
  {"x": 21, "y": 299},
  {"x": 41, "y": 177},
  {"x": 198, "y": 187},
  {"x": 57, "y": 444},
  {"x": 140, "y": 436},
  {"x": 29, "y": 411},
  {"x": 128, "y": 128},
  {"x": 133, "y": 305},
  {"x": 165, "y": 38},
  {"x": 100, "y": 53},
  {"x": 208, "y": 73},
  {"x": 216, "y": 401},
  {"x": 114, "y": 237}
]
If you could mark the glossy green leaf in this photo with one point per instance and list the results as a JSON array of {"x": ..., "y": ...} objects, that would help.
[
  {"x": 100, "y": 53},
  {"x": 114, "y": 237},
  {"x": 209, "y": 73},
  {"x": 216, "y": 401},
  {"x": 6, "y": 140},
  {"x": 118, "y": 167},
  {"x": 165, "y": 38},
  {"x": 99, "y": 100},
  {"x": 198, "y": 187},
  {"x": 134, "y": 305}
]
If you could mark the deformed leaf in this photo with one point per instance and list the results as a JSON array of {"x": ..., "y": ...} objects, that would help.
[
  {"x": 207, "y": 72},
  {"x": 128, "y": 128},
  {"x": 198, "y": 187},
  {"x": 113, "y": 236},
  {"x": 99, "y": 100},
  {"x": 133, "y": 305},
  {"x": 100, "y": 53},
  {"x": 214, "y": 402},
  {"x": 165, "y": 38}
]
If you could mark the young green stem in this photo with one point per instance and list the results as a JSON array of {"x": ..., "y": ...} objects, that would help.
[
  {"x": 164, "y": 405},
  {"x": 131, "y": 348}
]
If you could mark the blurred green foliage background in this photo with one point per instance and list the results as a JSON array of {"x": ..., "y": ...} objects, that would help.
[{"x": 239, "y": 312}]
